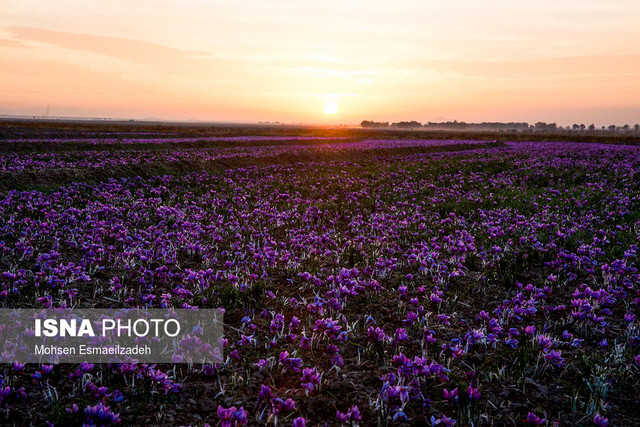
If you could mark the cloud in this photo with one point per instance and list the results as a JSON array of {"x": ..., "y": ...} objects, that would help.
[
  {"x": 162, "y": 65},
  {"x": 12, "y": 43},
  {"x": 54, "y": 77},
  {"x": 131, "y": 50},
  {"x": 540, "y": 68}
]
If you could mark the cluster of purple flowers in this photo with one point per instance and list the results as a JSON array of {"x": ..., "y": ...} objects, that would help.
[{"x": 409, "y": 286}]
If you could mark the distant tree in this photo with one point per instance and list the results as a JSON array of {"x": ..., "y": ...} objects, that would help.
[
  {"x": 407, "y": 125},
  {"x": 575, "y": 126},
  {"x": 370, "y": 124},
  {"x": 582, "y": 126},
  {"x": 546, "y": 126},
  {"x": 612, "y": 128},
  {"x": 636, "y": 127},
  {"x": 592, "y": 127},
  {"x": 625, "y": 127}
]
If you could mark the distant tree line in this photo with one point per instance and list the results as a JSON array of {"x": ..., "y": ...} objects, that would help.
[
  {"x": 611, "y": 128},
  {"x": 413, "y": 124},
  {"x": 370, "y": 124},
  {"x": 407, "y": 125},
  {"x": 477, "y": 126},
  {"x": 499, "y": 126}
]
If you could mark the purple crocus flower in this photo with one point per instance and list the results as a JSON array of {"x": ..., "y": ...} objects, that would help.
[
  {"x": 232, "y": 417},
  {"x": 86, "y": 367},
  {"x": 353, "y": 414},
  {"x": 443, "y": 421},
  {"x": 310, "y": 378},
  {"x": 376, "y": 335},
  {"x": 534, "y": 419},
  {"x": 305, "y": 343},
  {"x": 472, "y": 393},
  {"x": 600, "y": 421},
  {"x": 555, "y": 357},
  {"x": 342, "y": 417},
  {"x": 265, "y": 393},
  {"x": 101, "y": 415},
  {"x": 451, "y": 396},
  {"x": 299, "y": 422}
]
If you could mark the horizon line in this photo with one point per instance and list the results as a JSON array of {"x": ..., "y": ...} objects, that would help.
[{"x": 272, "y": 123}]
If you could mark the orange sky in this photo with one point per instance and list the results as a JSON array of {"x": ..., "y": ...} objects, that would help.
[{"x": 563, "y": 60}]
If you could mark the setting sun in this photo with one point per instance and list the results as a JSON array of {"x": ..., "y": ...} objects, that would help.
[{"x": 331, "y": 108}]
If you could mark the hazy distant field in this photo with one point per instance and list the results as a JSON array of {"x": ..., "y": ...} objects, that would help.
[{"x": 367, "y": 277}]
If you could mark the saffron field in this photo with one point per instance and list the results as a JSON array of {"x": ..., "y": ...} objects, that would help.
[{"x": 364, "y": 282}]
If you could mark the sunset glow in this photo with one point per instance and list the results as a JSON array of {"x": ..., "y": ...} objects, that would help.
[{"x": 565, "y": 61}]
